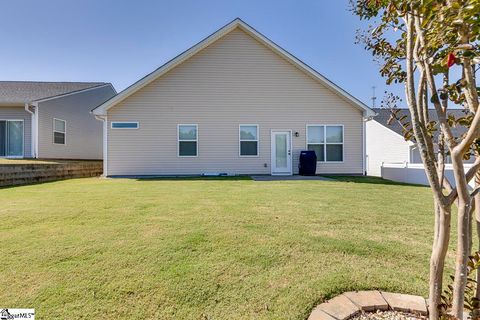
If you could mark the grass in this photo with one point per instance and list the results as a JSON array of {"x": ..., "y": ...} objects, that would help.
[{"x": 208, "y": 248}]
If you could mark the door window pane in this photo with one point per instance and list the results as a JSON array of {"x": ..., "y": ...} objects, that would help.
[
  {"x": 15, "y": 138},
  {"x": 281, "y": 150}
]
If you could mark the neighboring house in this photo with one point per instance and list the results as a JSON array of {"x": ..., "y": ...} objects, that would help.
[
  {"x": 51, "y": 119},
  {"x": 386, "y": 144},
  {"x": 235, "y": 103}
]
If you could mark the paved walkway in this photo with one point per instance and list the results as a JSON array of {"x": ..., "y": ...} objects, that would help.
[
  {"x": 349, "y": 304},
  {"x": 293, "y": 178}
]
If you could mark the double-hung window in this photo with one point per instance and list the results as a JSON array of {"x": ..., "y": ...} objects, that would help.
[
  {"x": 326, "y": 141},
  {"x": 59, "y": 131},
  {"x": 187, "y": 140},
  {"x": 248, "y": 140}
]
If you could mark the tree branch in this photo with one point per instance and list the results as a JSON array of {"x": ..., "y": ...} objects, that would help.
[
  {"x": 468, "y": 176},
  {"x": 424, "y": 140},
  {"x": 475, "y": 192},
  {"x": 441, "y": 114}
]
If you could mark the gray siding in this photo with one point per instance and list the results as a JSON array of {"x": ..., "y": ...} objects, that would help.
[
  {"x": 19, "y": 113},
  {"x": 236, "y": 80},
  {"x": 83, "y": 131}
]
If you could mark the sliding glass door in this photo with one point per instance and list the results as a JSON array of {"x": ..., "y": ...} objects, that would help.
[
  {"x": 11, "y": 138},
  {"x": 3, "y": 138}
]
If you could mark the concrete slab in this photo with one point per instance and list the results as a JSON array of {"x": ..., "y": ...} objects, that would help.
[
  {"x": 406, "y": 302},
  {"x": 318, "y": 314},
  {"x": 290, "y": 178},
  {"x": 367, "y": 300},
  {"x": 339, "y": 307}
]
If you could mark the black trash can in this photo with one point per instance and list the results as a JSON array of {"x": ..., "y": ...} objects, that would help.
[{"x": 307, "y": 165}]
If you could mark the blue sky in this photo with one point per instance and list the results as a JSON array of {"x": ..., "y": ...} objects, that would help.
[{"x": 121, "y": 41}]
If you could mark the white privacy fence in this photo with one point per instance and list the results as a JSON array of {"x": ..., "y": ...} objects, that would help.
[{"x": 413, "y": 172}]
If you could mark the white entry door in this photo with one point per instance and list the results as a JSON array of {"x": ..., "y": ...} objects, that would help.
[{"x": 281, "y": 152}]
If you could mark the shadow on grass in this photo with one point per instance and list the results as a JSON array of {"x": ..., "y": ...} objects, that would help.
[
  {"x": 371, "y": 180},
  {"x": 354, "y": 179},
  {"x": 36, "y": 183},
  {"x": 187, "y": 178}
]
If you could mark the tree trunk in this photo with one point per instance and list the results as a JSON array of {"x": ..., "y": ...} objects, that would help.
[
  {"x": 437, "y": 260},
  {"x": 464, "y": 236},
  {"x": 463, "y": 251},
  {"x": 477, "y": 221}
]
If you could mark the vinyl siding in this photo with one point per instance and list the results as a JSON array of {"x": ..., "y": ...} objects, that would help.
[
  {"x": 19, "y": 113},
  {"x": 384, "y": 145},
  {"x": 234, "y": 81},
  {"x": 83, "y": 131}
]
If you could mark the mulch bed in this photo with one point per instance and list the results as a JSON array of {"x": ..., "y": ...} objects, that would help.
[{"x": 387, "y": 315}]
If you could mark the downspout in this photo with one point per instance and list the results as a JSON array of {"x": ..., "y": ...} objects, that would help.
[
  {"x": 364, "y": 148},
  {"x": 364, "y": 138},
  {"x": 33, "y": 128},
  {"x": 105, "y": 142}
]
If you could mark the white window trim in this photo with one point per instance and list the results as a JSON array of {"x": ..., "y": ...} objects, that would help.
[
  {"x": 240, "y": 141},
  {"x": 136, "y": 122},
  {"x": 65, "y": 133},
  {"x": 325, "y": 142},
  {"x": 178, "y": 140},
  {"x": 23, "y": 139}
]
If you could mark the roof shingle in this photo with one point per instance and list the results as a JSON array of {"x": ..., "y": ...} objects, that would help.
[
  {"x": 384, "y": 114},
  {"x": 20, "y": 92}
]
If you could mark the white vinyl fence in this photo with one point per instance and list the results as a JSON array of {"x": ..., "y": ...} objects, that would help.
[{"x": 414, "y": 172}]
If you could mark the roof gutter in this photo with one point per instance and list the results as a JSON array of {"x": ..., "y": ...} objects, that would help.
[{"x": 27, "y": 105}]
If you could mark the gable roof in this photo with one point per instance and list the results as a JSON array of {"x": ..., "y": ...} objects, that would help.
[
  {"x": 21, "y": 92},
  {"x": 383, "y": 115},
  {"x": 237, "y": 23}
]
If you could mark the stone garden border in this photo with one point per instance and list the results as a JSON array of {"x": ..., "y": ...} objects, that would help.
[{"x": 349, "y": 304}]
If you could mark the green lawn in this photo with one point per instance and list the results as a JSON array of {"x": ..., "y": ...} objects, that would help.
[{"x": 207, "y": 248}]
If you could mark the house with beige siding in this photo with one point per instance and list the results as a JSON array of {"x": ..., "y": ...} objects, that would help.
[
  {"x": 235, "y": 103},
  {"x": 51, "y": 119}
]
